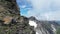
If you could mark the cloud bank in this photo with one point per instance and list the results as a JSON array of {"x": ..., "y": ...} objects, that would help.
[{"x": 45, "y": 9}]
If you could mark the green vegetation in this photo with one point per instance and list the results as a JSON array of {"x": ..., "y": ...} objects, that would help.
[
  {"x": 58, "y": 31},
  {"x": 7, "y": 29}
]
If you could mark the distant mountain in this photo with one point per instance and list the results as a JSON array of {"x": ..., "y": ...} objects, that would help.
[{"x": 45, "y": 27}]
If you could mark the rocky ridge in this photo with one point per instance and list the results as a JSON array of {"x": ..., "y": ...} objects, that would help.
[{"x": 10, "y": 20}]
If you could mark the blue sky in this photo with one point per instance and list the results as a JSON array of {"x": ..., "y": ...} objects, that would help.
[
  {"x": 24, "y": 7},
  {"x": 41, "y": 9}
]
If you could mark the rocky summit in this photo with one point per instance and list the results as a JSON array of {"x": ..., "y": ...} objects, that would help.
[{"x": 10, "y": 20}]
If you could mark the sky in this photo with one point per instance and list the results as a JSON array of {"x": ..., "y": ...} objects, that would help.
[{"x": 41, "y": 9}]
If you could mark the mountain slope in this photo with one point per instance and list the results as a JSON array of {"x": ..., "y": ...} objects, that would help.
[{"x": 45, "y": 27}]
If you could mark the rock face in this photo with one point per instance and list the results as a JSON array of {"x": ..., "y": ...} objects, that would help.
[
  {"x": 10, "y": 20},
  {"x": 9, "y": 10}
]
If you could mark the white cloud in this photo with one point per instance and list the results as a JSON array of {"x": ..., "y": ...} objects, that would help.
[
  {"x": 45, "y": 9},
  {"x": 51, "y": 15},
  {"x": 23, "y": 6}
]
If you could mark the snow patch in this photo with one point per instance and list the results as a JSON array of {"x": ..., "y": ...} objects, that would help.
[
  {"x": 32, "y": 23},
  {"x": 53, "y": 27}
]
